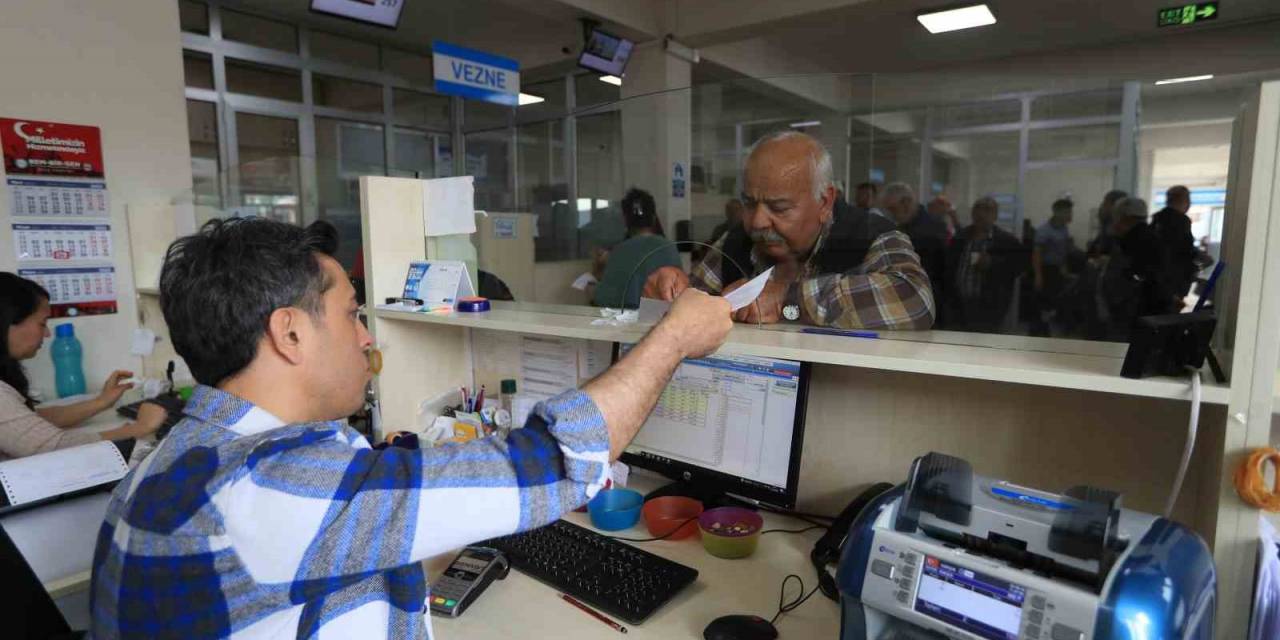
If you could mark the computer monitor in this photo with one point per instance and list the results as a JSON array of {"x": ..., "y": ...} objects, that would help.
[
  {"x": 606, "y": 53},
  {"x": 727, "y": 425},
  {"x": 384, "y": 13}
]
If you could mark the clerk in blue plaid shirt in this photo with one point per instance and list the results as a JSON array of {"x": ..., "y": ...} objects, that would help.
[{"x": 262, "y": 515}]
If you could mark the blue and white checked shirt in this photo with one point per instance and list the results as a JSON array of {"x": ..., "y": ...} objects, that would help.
[{"x": 241, "y": 526}]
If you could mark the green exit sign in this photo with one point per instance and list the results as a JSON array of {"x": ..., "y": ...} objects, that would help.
[{"x": 1187, "y": 14}]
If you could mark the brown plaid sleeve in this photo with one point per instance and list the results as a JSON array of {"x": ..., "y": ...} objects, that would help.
[
  {"x": 706, "y": 274},
  {"x": 889, "y": 290}
]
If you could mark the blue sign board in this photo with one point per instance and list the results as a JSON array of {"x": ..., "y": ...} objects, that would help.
[{"x": 475, "y": 74}]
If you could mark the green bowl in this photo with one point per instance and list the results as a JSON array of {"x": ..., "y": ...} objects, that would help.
[{"x": 730, "y": 532}]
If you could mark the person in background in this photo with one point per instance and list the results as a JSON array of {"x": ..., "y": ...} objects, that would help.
[
  {"x": 26, "y": 430},
  {"x": 984, "y": 262},
  {"x": 1049, "y": 263},
  {"x": 1106, "y": 214},
  {"x": 1136, "y": 281},
  {"x": 1172, "y": 226},
  {"x": 941, "y": 208},
  {"x": 264, "y": 515},
  {"x": 865, "y": 195},
  {"x": 732, "y": 218},
  {"x": 928, "y": 236},
  {"x": 644, "y": 251},
  {"x": 833, "y": 265}
]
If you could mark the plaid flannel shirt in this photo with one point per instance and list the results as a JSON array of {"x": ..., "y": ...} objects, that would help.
[
  {"x": 889, "y": 290},
  {"x": 241, "y": 526}
]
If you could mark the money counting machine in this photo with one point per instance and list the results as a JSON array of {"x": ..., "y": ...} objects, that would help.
[{"x": 951, "y": 554}]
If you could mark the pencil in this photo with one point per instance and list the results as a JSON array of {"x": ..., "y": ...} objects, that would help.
[{"x": 593, "y": 613}]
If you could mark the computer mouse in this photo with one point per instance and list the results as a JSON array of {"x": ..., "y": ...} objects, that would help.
[{"x": 740, "y": 627}]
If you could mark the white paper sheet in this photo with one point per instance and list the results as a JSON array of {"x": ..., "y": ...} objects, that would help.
[
  {"x": 594, "y": 357},
  {"x": 144, "y": 342},
  {"x": 583, "y": 281},
  {"x": 747, "y": 293},
  {"x": 57, "y": 472},
  {"x": 448, "y": 206},
  {"x": 548, "y": 366}
]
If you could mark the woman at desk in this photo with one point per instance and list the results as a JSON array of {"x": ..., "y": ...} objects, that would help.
[
  {"x": 25, "y": 430},
  {"x": 644, "y": 251}
]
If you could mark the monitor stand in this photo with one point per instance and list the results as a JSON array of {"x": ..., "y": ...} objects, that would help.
[{"x": 710, "y": 498}]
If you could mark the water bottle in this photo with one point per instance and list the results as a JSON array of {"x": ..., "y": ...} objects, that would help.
[{"x": 68, "y": 370}]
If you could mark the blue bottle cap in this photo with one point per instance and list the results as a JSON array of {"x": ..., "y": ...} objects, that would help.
[{"x": 66, "y": 330}]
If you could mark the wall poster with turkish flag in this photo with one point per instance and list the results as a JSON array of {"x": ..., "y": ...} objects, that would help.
[{"x": 36, "y": 148}]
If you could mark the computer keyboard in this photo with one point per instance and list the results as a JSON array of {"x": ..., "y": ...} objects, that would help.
[
  {"x": 616, "y": 578},
  {"x": 171, "y": 403}
]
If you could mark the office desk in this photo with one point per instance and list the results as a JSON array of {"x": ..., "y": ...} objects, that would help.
[{"x": 521, "y": 607}]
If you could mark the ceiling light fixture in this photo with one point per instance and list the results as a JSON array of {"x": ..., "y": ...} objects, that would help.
[
  {"x": 806, "y": 123},
  {"x": 529, "y": 98},
  {"x": 1186, "y": 79},
  {"x": 613, "y": 80},
  {"x": 977, "y": 15}
]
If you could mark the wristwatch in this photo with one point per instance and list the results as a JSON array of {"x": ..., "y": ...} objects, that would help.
[{"x": 791, "y": 312}]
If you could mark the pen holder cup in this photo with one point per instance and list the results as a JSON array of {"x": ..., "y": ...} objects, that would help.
[{"x": 615, "y": 509}]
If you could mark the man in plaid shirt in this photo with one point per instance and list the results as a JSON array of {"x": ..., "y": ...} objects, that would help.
[
  {"x": 833, "y": 265},
  {"x": 262, "y": 515}
]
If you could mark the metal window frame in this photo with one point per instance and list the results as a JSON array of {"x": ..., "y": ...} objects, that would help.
[{"x": 228, "y": 104}]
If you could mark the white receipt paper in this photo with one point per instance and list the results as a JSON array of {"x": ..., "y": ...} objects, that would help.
[
  {"x": 448, "y": 206},
  {"x": 747, "y": 293},
  {"x": 57, "y": 472}
]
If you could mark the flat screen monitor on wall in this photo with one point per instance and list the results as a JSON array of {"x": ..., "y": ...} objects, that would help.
[
  {"x": 606, "y": 53},
  {"x": 384, "y": 13}
]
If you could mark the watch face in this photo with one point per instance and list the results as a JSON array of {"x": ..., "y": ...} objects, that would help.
[{"x": 791, "y": 312}]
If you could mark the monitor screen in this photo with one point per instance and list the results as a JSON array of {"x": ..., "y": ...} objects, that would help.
[
  {"x": 384, "y": 13},
  {"x": 729, "y": 424},
  {"x": 983, "y": 605},
  {"x": 606, "y": 53}
]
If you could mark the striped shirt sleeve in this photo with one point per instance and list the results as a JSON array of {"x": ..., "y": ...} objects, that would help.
[
  {"x": 313, "y": 509},
  {"x": 889, "y": 290}
]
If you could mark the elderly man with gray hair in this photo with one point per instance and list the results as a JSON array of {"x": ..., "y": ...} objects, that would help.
[{"x": 833, "y": 265}]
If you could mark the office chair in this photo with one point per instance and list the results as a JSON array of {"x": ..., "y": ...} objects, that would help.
[{"x": 27, "y": 610}]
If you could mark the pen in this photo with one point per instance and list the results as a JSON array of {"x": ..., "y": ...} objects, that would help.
[
  {"x": 466, "y": 405},
  {"x": 479, "y": 400},
  {"x": 594, "y": 614},
  {"x": 848, "y": 333}
]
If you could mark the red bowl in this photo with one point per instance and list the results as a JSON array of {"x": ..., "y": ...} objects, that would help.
[{"x": 666, "y": 514}]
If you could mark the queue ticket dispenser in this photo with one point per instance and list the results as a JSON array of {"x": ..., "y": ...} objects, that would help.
[{"x": 954, "y": 555}]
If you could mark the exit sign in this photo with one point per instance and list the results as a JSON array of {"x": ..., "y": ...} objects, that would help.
[{"x": 1187, "y": 14}]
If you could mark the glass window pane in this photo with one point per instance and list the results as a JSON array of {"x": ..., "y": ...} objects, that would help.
[
  {"x": 422, "y": 154},
  {"x": 543, "y": 189},
  {"x": 412, "y": 67},
  {"x": 1074, "y": 143},
  {"x": 261, "y": 32},
  {"x": 489, "y": 160},
  {"x": 341, "y": 93},
  {"x": 327, "y": 46},
  {"x": 599, "y": 156},
  {"x": 589, "y": 90},
  {"x": 973, "y": 166},
  {"x": 268, "y": 174},
  {"x": 1077, "y": 105},
  {"x": 193, "y": 17},
  {"x": 345, "y": 151},
  {"x": 417, "y": 109},
  {"x": 202, "y": 131},
  {"x": 553, "y": 103},
  {"x": 251, "y": 78},
  {"x": 977, "y": 114},
  {"x": 197, "y": 68},
  {"x": 484, "y": 116}
]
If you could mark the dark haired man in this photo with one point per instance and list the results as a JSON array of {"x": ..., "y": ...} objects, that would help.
[{"x": 262, "y": 515}]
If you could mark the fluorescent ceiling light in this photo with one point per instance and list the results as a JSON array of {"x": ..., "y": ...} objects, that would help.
[
  {"x": 1186, "y": 79},
  {"x": 977, "y": 15},
  {"x": 806, "y": 123},
  {"x": 529, "y": 98},
  {"x": 613, "y": 80}
]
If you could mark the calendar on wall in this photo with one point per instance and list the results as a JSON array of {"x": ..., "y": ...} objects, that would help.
[
  {"x": 62, "y": 242},
  {"x": 58, "y": 198},
  {"x": 76, "y": 291}
]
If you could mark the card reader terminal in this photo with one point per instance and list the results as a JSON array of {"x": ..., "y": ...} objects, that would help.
[{"x": 465, "y": 579}]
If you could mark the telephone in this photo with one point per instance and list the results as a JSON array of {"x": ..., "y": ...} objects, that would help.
[{"x": 826, "y": 552}]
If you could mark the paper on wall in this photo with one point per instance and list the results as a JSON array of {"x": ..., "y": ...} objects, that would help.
[
  {"x": 57, "y": 472},
  {"x": 594, "y": 357},
  {"x": 747, "y": 293},
  {"x": 548, "y": 366},
  {"x": 448, "y": 206}
]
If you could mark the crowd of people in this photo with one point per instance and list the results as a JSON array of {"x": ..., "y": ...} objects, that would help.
[{"x": 884, "y": 259}]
